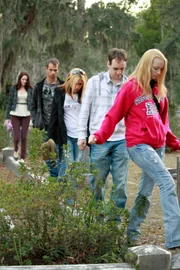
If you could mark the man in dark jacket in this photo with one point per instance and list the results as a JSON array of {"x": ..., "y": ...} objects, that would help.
[
  {"x": 41, "y": 104},
  {"x": 43, "y": 93}
]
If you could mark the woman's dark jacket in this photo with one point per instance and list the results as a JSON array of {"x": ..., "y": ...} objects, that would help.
[
  {"x": 12, "y": 100},
  {"x": 57, "y": 128}
]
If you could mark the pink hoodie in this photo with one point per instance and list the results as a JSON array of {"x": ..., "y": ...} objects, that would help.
[{"x": 144, "y": 124}]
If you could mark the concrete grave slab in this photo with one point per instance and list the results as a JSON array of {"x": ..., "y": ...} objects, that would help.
[
  {"x": 1, "y": 158},
  {"x": 13, "y": 165},
  {"x": 115, "y": 266},
  {"x": 175, "y": 265},
  {"x": 151, "y": 257},
  {"x": 7, "y": 152}
]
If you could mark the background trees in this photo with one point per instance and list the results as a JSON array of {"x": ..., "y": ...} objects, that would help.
[{"x": 34, "y": 30}]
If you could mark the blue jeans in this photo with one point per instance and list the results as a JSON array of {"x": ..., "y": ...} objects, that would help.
[
  {"x": 154, "y": 172},
  {"x": 53, "y": 165},
  {"x": 112, "y": 156},
  {"x": 73, "y": 154}
]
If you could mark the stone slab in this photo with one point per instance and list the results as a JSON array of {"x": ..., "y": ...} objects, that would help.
[
  {"x": 13, "y": 165},
  {"x": 151, "y": 257},
  {"x": 7, "y": 152},
  {"x": 115, "y": 266},
  {"x": 1, "y": 158},
  {"x": 175, "y": 265}
]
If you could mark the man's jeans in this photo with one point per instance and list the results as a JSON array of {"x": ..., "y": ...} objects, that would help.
[
  {"x": 112, "y": 156},
  {"x": 154, "y": 172}
]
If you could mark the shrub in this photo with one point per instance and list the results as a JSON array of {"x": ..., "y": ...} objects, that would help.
[
  {"x": 51, "y": 229},
  {"x": 3, "y": 101},
  {"x": 4, "y": 135}
]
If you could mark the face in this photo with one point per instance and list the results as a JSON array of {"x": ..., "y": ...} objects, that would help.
[
  {"x": 24, "y": 80},
  {"x": 116, "y": 69},
  {"x": 157, "y": 67},
  {"x": 52, "y": 72},
  {"x": 78, "y": 86}
]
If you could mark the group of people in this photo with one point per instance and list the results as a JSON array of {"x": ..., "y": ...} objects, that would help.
[{"x": 125, "y": 117}]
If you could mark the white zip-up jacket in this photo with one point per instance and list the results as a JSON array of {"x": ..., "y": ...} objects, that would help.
[{"x": 98, "y": 98}]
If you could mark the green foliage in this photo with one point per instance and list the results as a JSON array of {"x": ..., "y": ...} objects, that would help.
[
  {"x": 3, "y": 101},
  {"x": 148, "y": 30},
  {"x": 57, "y": 222},
  {"x": 4, "y": 135},
  {"x": 173, "y": 120}
]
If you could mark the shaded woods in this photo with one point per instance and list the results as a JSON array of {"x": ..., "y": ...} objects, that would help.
[{"x": 33, "y": 31}]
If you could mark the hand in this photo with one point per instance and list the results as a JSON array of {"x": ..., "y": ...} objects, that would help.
[
  {"x": 82, "y": 144},
  {"x": 92, "y": 139},
  {"x": 6, "y": 122}
]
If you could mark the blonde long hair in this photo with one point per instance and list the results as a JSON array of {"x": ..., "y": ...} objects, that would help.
[
  {"x": 72, "y": 78},
  {"x": 142, "y": 73}
]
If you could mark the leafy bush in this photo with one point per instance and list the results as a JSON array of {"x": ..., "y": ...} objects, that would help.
[
  {"x": 48, "y": 229},
  {"x": 4, "y": 135},
  {"x": 3, "y": 101}
]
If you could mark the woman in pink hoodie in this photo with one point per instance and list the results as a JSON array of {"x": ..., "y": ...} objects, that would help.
[{"x": 143, "y": 104}]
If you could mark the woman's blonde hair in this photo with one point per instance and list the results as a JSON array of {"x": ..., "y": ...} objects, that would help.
[
  {"x": 142, "y": 73},
  {"x": 72, "y": 79}
]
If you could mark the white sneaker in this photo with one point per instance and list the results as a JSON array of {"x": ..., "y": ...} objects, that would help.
[{"x": 21, "y": 160}]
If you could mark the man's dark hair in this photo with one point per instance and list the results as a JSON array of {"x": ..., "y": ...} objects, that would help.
[
  {"x": 53, "y": 61},
  {"x": 118, "y": 54}
]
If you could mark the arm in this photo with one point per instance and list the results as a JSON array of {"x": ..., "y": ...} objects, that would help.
[
  {"x": 171, "y": 140},
  {"x": 54, "y": 117},
  {"x": 85, "y": 114},
  {"x": 34, "y": 103},
  {"x": 10, "y": 103}
]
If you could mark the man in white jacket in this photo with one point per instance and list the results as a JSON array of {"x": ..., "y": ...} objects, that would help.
[{"x": 112, "y": 156}]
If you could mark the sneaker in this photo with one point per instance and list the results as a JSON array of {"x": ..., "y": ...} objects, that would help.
[
  {"x": 21, "y": 160},
  {"x": 15, "y": 156}
]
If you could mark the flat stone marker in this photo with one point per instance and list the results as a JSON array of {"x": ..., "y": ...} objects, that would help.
[
  {"x": 151, "y": 257},
  {"x": 175, "y": 262},
  {"x": 7, "y": 152},
  {"x": 13, "y": 165},
  {"x": 114, "y": 266}
]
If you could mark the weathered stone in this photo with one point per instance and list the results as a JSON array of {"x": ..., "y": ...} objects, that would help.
[
  {"x": 7, "y": 152},
  {"x": 13, "y": 165},
  {"x": 1, "y": 158},
  {"x": 115, "y": 266},
  {"x": 175, "y": 265},
  {"x": 151, "y": 257}
]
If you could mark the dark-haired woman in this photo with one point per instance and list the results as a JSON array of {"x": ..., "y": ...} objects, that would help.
[{"x": 18, "y": 112}]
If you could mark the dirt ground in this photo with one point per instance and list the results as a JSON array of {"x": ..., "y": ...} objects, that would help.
[{"x": 152, "y": 229}]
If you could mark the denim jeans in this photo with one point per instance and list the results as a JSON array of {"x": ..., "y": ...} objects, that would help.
[
  {"x": 73, "y": 154},
  {"x": 54, "y": 165},
  {"x": 154, "y": 172},
  {"x": 112, "y": 156}
]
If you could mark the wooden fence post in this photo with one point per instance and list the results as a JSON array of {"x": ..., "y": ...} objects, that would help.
[{"x": 178, "y": 178}]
